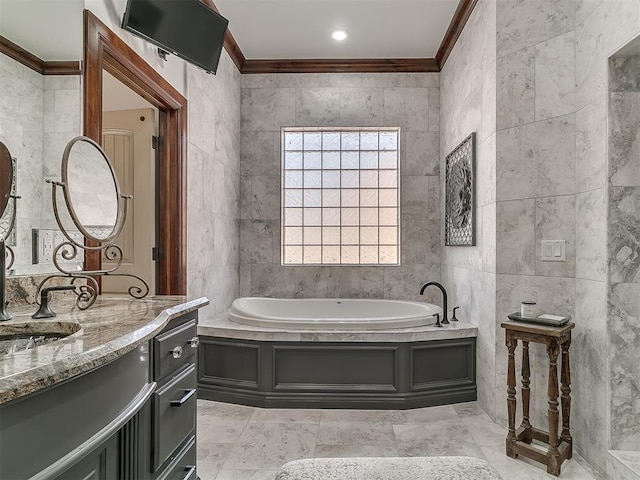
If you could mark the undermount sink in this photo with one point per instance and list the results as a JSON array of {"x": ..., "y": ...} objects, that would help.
[{"x": 15, "y": 337}]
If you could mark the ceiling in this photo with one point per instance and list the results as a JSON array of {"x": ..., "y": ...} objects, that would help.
[
  {"x": 51, "y": 30},
  {"x": 117, "y": 96},
  {"x": 301, "y": 29}
]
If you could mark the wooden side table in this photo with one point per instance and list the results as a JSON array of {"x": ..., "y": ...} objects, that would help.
[{"x": 555, "y": 339}]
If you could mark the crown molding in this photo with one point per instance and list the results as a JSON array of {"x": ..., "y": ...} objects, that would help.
[
  {"x": 36, "y": 64},
  {"x": 353, "y": 65},
  {"x": 459, "y": 20}
]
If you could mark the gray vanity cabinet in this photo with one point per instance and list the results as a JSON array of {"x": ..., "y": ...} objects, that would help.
[
  {"x": 102, "y": 464},
  {"x": 174, "y": 405},
  {"x": 131, "y": 419}
]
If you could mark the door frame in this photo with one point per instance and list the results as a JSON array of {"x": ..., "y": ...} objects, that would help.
[{"x": 103, "y": 49}]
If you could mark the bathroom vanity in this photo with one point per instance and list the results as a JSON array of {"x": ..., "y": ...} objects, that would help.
[{"x": 115, "y": 399}]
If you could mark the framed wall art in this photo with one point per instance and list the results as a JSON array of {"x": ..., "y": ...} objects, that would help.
[{"x": 460, "y": 194}]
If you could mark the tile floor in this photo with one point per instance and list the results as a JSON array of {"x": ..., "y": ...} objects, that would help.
[{"x": 246, "y": 443}]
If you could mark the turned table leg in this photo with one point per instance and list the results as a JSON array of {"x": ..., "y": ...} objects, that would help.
[
  {"x": 565, "y": 379},
  {"x": 526, "y": 393},
  {"x": 511, "y": 395},
  {"x": 553, "y": 455}
]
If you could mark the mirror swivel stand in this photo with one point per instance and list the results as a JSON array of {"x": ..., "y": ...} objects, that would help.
[{"x": 87, "y": 292}]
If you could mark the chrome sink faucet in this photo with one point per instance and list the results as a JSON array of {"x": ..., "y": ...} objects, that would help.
[{"x": 445, "y": 318}]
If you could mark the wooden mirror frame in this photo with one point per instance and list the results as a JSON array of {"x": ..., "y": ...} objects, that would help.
[{"x": 104, "y": 50}]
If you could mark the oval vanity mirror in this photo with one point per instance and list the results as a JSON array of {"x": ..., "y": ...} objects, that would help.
[
  {"x": 92, "y": 193},
  {"x": 6, "y": 177}
]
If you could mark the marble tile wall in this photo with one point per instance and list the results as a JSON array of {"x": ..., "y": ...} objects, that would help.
[
  {"x": 535, "y": 172},
  {"x": 38, "y": 116},
  {"x": 551, "y": 169},
  {"x": 62, "y": 122},
  {"x": 597, "y": 25},
  {"x": 21, "y": 130},
  {"x": 213, "y": 216},
  {"x": 545, "y": 191},
  {"x": 270, "y": 102},
  {"x": 468, "y": 104},
  {"x": 623, "y": 252}
]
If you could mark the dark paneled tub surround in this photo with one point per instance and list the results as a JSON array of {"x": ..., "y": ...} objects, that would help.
[{"x": 381, "y": 369}]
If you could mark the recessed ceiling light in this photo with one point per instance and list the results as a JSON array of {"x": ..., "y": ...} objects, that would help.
[{"x": 339, "y": 35}]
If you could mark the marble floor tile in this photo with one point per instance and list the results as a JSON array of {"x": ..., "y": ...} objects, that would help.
[
  {"x": 447, "y": 437},
  {"x": 348, "y": 451},
  {"x": 270, "y": 445},
  {"x": 372, "y": 416},
  {"x": 283, "y": 415},
  {"x": 355, "y": 433},
  {"x": 485, "y": 432},
  {"x": 226, "y": 411},
  {"x": 211, "y": 457},
  {"x": 271, "y": 437},
  {"x": 216, "y": 430},
  {"x": 245, "y": 475},
  {"x": 523, "y": 468},
  {"x": 423, "y": 415},
  {"x": 469, "y": 409}
]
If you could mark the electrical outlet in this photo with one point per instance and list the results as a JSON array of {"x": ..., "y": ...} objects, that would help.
[
  {"x": 46, "y": 241},
  {"x": 46, "y": 245}
]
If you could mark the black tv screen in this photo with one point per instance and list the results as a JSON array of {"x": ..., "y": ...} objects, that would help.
[{"x": 186, "y": 28}]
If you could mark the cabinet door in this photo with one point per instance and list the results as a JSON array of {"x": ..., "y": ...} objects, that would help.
[
  {"x": 174, "y": 406},
  {"x": 101, "y": 464}
]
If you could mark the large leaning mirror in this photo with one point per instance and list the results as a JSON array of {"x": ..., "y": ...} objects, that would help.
[{"x": 40, "y": 113}]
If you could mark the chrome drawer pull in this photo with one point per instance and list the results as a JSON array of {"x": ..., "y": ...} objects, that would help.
[
  {"x": 194, "y": 342},
  {"x": 176, "y": 352},
  {"x": 187, "y": 395},
  {"x": 190, "y": 469}
]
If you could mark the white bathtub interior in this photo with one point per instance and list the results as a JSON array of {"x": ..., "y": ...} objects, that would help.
[{"x": 332, "y": 313}]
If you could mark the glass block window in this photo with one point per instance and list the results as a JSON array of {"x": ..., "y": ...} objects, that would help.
[{"x": 340, "y": 196}]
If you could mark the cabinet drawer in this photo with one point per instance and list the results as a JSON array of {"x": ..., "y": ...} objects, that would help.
[
  {"x": 173, "y": 349},
  {"x": 183, "y": 467},
  {"x": 174, "y": 415}
]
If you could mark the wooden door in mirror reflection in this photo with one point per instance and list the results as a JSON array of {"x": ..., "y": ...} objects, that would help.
[{"x": 127, "y": 138}]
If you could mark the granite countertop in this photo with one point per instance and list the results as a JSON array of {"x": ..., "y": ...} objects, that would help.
[
  {"x": 221, "y": 326},
  {"x": 113, "y": 326}
]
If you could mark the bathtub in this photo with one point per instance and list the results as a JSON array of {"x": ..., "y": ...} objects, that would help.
[{"x": 331, "y": 314}]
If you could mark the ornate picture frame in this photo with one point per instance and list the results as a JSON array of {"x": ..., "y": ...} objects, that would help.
[{"x": 460, "y": 228}]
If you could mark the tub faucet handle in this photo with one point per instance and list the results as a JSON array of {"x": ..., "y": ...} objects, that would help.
[
  {"x": 438, "y": 324},
  {"x": 453, "y": 318}
]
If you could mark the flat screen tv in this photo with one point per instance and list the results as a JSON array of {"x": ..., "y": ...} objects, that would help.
[{"x": 187, "y": 28}]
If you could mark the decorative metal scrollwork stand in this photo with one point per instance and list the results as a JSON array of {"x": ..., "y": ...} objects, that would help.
[{"x": 69, "y": 250}]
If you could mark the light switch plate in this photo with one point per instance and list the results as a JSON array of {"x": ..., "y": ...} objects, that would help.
[{"x": 553, "y": 251}]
